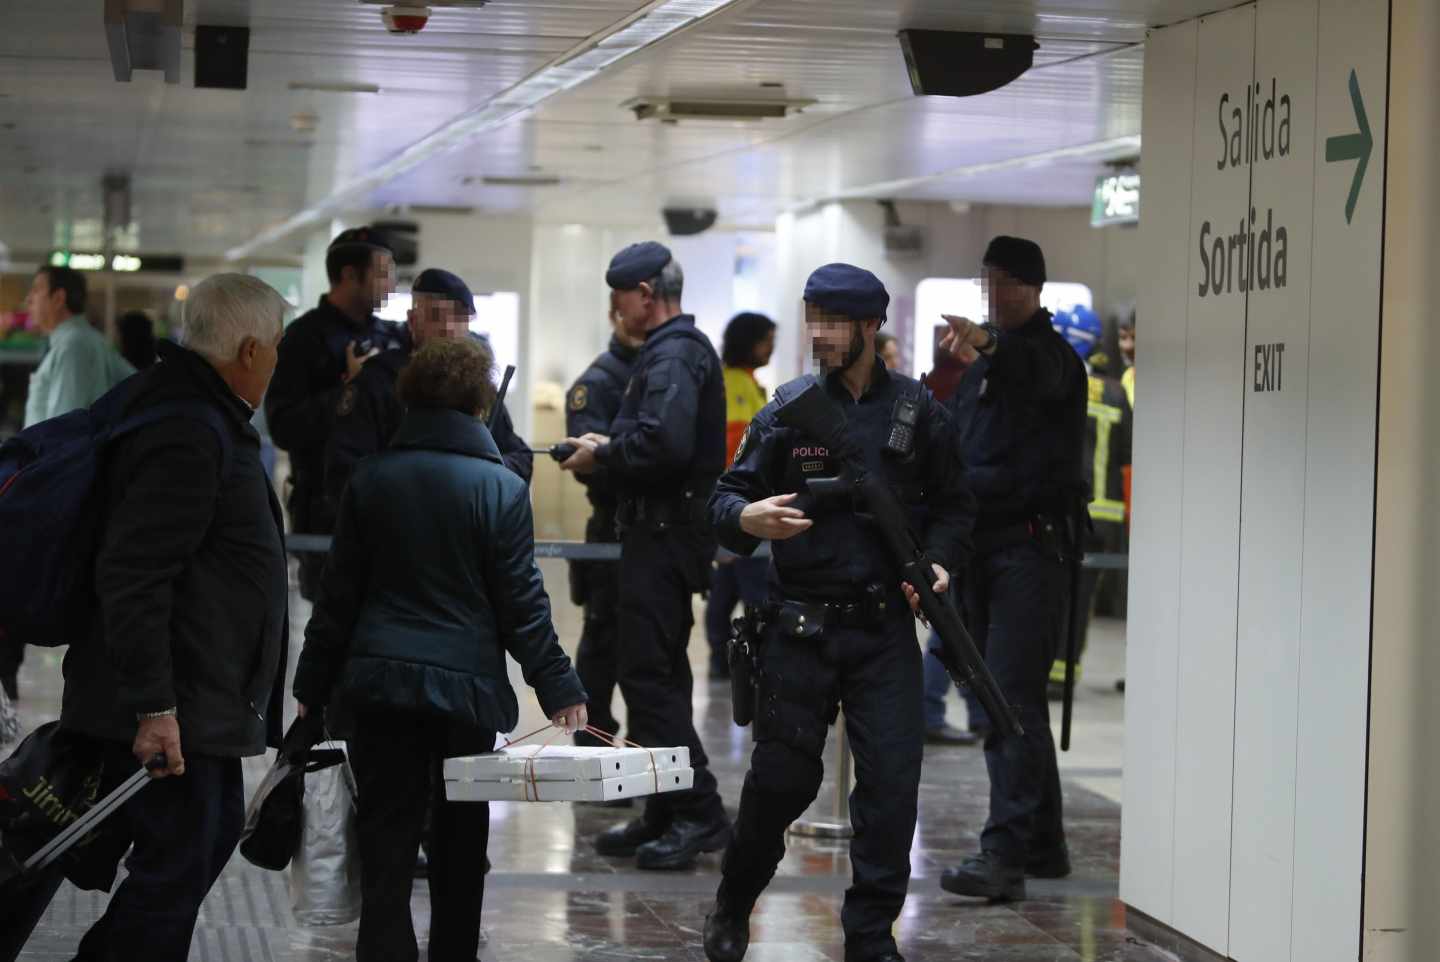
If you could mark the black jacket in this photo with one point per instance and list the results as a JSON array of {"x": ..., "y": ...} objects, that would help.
[
  {"x": 840, "y": 554},
  {"x": 301, "y": 402},
  {"x": 369, "y": 413},
  {"x": 1023, "y": 409},
  {"x": 191, "y": 577},
  {"x": 431, "y": 580},
  {"x": 668, "y": 439},
  {"x": 591, "y": 405}
]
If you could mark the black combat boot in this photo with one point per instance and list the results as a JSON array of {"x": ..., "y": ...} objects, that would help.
[
  {"x": 683, "y": 842},
  {"x": 727, "y": 929},
  {"x": 1050, "y": 863},
  {"x": 622, "y": 840},
  {"x": 985, "y": 876}
]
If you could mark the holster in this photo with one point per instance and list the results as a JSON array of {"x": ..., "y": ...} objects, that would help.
[{"x": 744, "y": 658}]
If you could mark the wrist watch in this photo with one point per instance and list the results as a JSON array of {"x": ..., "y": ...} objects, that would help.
[
  {"x": 994, "y": 341},
  {"x": 151, "y": 715}
]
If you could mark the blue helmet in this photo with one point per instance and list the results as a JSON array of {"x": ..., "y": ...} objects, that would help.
[{"x": 1080, "y": 327}]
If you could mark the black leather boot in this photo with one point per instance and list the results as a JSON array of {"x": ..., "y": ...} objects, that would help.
[
  {"x": 1053, "y": 863},
  {"x": 623, "y": 840},
  {"x": 683, "y": 842},
  {"x": 727, "y": 930},
  {"x": 985, "y": 877}
]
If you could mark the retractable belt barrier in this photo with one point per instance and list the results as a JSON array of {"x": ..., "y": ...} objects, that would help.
[{"x": 589, "y": 551}]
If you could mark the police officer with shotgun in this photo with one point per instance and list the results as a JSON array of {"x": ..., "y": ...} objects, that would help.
[
  {"x": 835, "y": 472},
  {"x": 1024, "y": 407}
]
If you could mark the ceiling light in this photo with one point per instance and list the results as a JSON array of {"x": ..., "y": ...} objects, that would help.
[
  {"x": 520, "y": 180},
  {"x": 304, "y": 121},
  {"x": 653, "y": 23},
  {"x": 703, "y": 108},
  {"x": 335, "y": 88},
  {"x": 1100, "y": 149}
]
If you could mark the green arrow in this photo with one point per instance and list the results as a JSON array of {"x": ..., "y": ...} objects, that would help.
[{"x": 1353, "y": 147}]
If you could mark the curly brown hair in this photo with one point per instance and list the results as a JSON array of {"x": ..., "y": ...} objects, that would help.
[{"x": 449, "y": 374}]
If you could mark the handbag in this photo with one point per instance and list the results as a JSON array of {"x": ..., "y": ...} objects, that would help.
[
  {"x": 271, "y": 834},
  {"x": 325, "y": 872}
]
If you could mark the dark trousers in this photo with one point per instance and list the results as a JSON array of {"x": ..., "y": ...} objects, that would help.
[
  {"x": 1016, "y": 603},
  {"x": 741, "y": 580},
  {"x": 659, "y": 571},
  {"x": 183, "y": 829},
  {"x": 397, "y": 759},
  {"x": 597, "y": 659},
  {"x": 875, "y": 674}
]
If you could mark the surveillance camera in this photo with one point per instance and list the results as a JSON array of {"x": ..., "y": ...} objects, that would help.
[{"x": 405, "y": 19}]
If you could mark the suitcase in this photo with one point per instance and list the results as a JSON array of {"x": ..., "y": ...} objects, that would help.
[{"x": 27, "y": 888}]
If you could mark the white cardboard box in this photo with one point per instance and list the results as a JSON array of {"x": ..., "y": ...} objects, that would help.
[
  {"x": 564, "y": 763},
  {"x": 579, "y": 790}
]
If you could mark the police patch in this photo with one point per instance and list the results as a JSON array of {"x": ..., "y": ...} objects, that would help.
[
  {"x": 347, "y": 400},
  {"x": 579, "y": 397},
  {"x": 743, "y": 446}
]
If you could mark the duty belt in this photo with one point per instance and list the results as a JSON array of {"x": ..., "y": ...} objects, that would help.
[
  {"x": 661, "y": 512},
  {"x": 805, "y": 619}
]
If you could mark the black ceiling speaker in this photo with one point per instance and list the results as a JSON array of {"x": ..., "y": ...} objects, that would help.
[
  {"x": 222, "y": 57},
  {"x": 684, "y": 221},
  {"x": 954, "y": 64}
]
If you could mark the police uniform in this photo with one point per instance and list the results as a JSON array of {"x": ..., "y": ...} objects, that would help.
[
  {"x": 1023, "y": 407},
  {"x": 304, "y": 394},
  {"x": 666, "y": 449},
  {"x": 591, "y": 405},
  {"x": 839, "y": 634}
]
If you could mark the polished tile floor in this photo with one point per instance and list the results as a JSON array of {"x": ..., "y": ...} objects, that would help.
[{"x": 551, "y": 899}]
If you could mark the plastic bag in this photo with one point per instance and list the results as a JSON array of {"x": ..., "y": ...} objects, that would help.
[{"x": 325, "y": 872}]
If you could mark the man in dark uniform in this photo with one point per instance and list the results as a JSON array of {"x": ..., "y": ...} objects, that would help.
[
  {"x": 321, "y": 352},
  {"x": 1023, "y": 408},
  {"x": 368, "y": 412},
  {"x": 664, "y": 452},
  {"x": 590, "y": 408},
  {"x": 839, "y": 631}
]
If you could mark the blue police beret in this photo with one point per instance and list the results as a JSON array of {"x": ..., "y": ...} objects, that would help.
[
  {"x": 362, "y": 237},
  {"x": 443, "y": 284},
  {"x": 849, "y": 290},
  {"x": 637, "y": 264}
]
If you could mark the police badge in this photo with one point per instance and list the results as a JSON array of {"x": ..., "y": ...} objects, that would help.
[{"x": 579, "y": 397}]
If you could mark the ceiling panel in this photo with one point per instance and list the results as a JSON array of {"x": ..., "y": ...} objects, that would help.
[{"x": 213, "y": 168}]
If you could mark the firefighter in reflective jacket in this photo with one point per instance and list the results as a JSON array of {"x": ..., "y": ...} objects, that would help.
[{"x": 1107, "y": 455}]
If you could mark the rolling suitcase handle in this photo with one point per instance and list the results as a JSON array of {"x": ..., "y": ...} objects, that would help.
[{"x": 102, "y": 810}]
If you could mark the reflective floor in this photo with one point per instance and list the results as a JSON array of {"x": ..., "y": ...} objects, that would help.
[{"x": 551, "y": 899}]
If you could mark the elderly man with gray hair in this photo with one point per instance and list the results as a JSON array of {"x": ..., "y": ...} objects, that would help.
[{"x": 186, "y": 657}]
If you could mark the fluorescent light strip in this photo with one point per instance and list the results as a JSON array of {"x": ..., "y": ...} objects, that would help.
[
  {"x": 1117, "y": 146},
  {"x": 577, "y": 65}
]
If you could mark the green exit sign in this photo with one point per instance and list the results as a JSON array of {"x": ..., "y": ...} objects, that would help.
[{"x": 1117, "y": 200}]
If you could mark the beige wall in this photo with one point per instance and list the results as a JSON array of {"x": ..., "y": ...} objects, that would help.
[{"x": 1402, "y": 831}]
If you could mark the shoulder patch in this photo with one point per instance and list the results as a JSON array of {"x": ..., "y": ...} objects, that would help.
[
  {"x": 743, "y": 447},
  {"x": 579, "y": 397},
  {"x": 347, "y": 399}
]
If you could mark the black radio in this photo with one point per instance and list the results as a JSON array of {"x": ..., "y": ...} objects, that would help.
[{"x": 903, "y": 419}]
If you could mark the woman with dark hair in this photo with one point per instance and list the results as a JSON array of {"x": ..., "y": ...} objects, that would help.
[
  {"x": 137, "y": 339},
  {"x": 430, "y": 582},
  {"x": 748, "y": 342}
]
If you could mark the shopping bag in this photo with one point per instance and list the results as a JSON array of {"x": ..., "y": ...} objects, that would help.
[
  {"x": 272, "y": 821},
  {"x": 325, "y": 872}
]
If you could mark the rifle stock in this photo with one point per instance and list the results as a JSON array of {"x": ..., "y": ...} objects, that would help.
[{"x": 815, "y": 414}]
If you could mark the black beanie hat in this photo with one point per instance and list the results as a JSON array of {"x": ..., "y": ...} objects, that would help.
[{"x": 1020, "y": 258}]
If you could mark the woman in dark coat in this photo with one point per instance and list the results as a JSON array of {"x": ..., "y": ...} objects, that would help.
[{"x": 431, "y": 580}]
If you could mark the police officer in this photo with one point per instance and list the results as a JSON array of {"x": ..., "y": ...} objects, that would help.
[
  {"x": 664, "y": 452},
  {"x": 591, "y": 405},
  {"x": 1023, "y": 407},
  {"x": 839, "y": 631},
  {"x": 321, "y": 352},
  {"x": 369, "y": 413}
]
